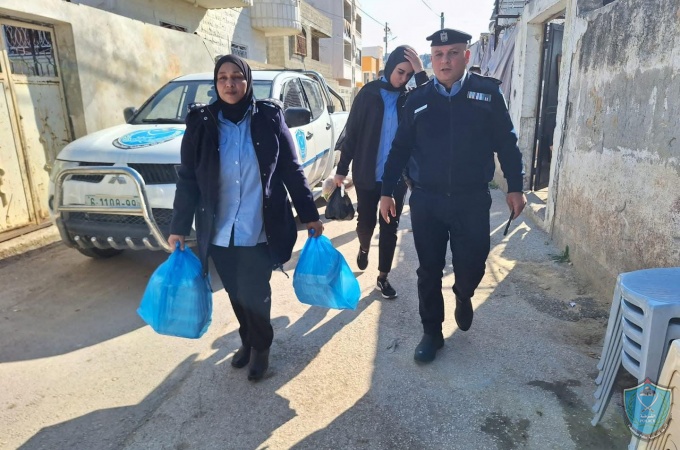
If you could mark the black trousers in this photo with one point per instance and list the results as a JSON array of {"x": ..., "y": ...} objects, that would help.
[
  {"x": 463, "y": 221},
  {"x": 367, "y": 216},
  {"x": 245, "y": 273}
]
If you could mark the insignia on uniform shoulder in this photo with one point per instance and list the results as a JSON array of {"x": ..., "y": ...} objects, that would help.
[
  {"x": 479, "y": 96},
  {"x": 419, "y": 110}
]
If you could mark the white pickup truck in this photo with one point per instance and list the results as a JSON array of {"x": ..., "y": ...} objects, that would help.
[{"x": 114, "y": 189}]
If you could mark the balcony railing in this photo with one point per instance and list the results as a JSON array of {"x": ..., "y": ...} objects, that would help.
[{"x": 217, "y": 4}]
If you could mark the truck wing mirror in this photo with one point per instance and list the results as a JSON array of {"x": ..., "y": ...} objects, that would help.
[
  {"x": 297, "y": 117},
  {"x": 129, "y": 112}
]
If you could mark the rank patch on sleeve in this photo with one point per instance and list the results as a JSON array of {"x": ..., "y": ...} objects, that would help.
[
  {"x": 422, "y": 108},
  {"x": 479, "y": 96}
]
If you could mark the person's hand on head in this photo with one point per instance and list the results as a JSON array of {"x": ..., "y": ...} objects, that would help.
[{"x": 412, "y": 57}]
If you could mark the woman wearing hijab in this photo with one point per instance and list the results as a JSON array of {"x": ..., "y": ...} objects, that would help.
[
  {"x": 371, "y": 126},
  {"x": 238, "y": 160}
]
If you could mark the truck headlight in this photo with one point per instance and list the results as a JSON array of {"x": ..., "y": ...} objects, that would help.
[{"x": 58, "y": 166}]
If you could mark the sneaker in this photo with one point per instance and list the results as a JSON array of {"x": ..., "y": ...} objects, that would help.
[
  {"x": 385, "y": 288},
  {"x": 362, "y": 259}
]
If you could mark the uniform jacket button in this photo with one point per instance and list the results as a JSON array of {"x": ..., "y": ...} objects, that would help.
[{"x": 205, "y": 118}]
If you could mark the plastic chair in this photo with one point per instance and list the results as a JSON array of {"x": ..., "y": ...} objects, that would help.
[
  {"x": 641, "y": 326},
  {"x": 650, "y": 303}
]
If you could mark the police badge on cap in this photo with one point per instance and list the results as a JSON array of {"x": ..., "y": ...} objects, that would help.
[{"x": 448, "y": 36}]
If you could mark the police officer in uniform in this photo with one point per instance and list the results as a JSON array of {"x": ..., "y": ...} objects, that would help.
[{"x": 450, "y": 129}]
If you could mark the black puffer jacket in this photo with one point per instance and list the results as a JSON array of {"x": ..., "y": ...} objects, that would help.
[
  {"x": 197, "y": 188},
  {"x": 362, "y": 132}
]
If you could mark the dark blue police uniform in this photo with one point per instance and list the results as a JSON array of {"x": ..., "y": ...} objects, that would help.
[{"x": 449, "y": 145}]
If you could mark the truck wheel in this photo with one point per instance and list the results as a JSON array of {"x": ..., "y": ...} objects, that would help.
[{"x": 99, "y": 253}]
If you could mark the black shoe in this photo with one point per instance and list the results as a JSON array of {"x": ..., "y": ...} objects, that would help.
[
  {"x": 385, "y": 288},
  {"x": 464, "y": 313},
  {"x": 426, "y": 350},
  {"x": 362, "y": 259},
  {"x": 241, "y": 357},
  {"x": 259, "y": 362}
]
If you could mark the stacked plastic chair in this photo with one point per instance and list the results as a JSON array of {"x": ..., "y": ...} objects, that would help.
[{"x": 644, "y": 319}]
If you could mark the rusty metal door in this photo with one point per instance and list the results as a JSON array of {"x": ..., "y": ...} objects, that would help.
[{"x": 33, "y": 108}]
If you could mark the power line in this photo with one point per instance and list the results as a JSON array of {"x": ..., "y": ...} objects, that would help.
[
  {"x": 370, "y": 16},
  {"x": 429, "y": 7}
]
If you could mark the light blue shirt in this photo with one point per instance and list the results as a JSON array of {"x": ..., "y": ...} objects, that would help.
[
  {"x": 457, "y": 86},
  {"x": 389, "y": 129},
  {"x": 239, "y": 206}
]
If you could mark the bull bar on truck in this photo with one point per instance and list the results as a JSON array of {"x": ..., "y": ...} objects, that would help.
[{"x": 144, "y": 210}]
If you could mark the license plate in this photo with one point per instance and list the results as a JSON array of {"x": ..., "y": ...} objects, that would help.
[{"x": 109, "y": 200}]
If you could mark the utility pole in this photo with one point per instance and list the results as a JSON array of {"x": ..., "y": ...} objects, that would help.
[
  {"x": 387, "y": 31},
  {"x": 442, "y": 27}
]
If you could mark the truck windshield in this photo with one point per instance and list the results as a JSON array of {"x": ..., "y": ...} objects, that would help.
[{"x": 172, "y": 102}]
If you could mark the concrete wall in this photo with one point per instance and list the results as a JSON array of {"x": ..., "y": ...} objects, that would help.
[
  {"x": 614, "y": 195},
  {"x": 109, "y": 62},
  {"x": 219, "y": 27}
]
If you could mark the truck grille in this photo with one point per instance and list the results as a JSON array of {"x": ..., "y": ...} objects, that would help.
[
  {"x": 152, "y": 173},
  {"x": 90, "y": 178},
  {"x": 156, "y": 173},
  {"x": 162, "y": 216}
]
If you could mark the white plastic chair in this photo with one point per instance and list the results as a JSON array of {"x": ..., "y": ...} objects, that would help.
[{"x": 640, "y": 328}]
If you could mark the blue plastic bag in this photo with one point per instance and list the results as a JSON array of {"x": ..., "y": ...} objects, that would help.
[
  {"x": 178, "y": 299},
  {"x": 323, "y": 277}
]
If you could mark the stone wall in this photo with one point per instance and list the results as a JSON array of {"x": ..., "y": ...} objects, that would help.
[{"x": 616, "y": 200}]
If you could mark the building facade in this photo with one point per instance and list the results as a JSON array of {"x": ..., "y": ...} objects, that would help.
[{"x": 610, "y": 153}]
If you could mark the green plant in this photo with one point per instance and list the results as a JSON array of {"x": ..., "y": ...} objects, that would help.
[{"x": 562, "y": 257}]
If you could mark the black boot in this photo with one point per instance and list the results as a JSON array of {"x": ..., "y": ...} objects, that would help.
[
  {"x": 241, "y": 357},
  {"x": 426, "y": 350},
  {"x": 464, "y": 313},
  {"x": 259, "y": 362}
]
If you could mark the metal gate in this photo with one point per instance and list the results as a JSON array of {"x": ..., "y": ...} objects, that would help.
[
  {"x": 33, "y": 126},
  {"x": 547, "y": 116}
]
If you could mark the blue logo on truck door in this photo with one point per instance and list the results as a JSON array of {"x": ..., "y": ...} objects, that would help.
[
  {"x": 146, "y": 138},
  {"x": 302, "y": 143}
]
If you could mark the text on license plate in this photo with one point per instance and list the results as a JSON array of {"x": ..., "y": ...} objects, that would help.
[{"x": 108, "y": 200}]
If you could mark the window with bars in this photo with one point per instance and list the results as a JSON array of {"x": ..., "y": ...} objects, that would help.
[
  {"x": 30, "y": 51},
  {"x": 239, "y": 50},
  {"x": 301, "y": 44}
]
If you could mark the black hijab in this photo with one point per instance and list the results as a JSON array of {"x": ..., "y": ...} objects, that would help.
[
  {"x": 396, "y": 57},
  {"x": 234, "y": 113}
]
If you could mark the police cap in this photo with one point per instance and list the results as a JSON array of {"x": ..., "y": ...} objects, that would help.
[{"x": 448, "y": 36}]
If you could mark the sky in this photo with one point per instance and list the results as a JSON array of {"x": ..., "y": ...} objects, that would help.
[{"x": 411, "y": 21}]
